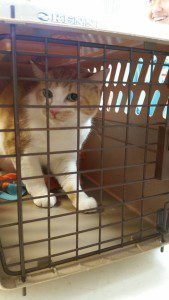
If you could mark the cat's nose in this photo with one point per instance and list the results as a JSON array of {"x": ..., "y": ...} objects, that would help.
[{"x": 54, "y": 112}]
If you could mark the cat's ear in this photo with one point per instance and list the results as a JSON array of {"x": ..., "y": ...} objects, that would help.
[
  {"x": 99, "y": 76},
  {"x": 37, "y": 71}
]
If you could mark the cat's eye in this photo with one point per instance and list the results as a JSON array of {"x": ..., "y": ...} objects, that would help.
[
  {"x": 72, "y": 97},
  {"x": 47, "y": 93}
]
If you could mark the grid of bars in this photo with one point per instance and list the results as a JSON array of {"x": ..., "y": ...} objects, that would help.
[{"x": 142, "y": 232}]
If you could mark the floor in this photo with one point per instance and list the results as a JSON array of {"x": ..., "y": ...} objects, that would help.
[
  {"x": 145, "y": 276},
  {"x": 64, "y": 225}
]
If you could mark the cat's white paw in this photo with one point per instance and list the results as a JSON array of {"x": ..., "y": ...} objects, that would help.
[
  {"x": 86, "y": 202},
  {"x": 43, "y": 202}
]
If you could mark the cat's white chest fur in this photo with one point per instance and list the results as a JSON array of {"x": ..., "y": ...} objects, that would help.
[{"x": 60, "y": 140}]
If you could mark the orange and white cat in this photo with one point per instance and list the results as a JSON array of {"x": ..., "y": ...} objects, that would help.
[
  {"x": 33, "y": 141},
  {"x": 159, "y": 11}
]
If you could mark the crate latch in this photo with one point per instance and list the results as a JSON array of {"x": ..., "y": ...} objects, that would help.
[{"x": 163, "y": 219}]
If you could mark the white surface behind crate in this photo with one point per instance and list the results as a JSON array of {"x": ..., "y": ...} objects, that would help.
[
  {"x": 144, "y": 276},
  {"x": 72, "y": 12},
  {"x": 4, "y": 10},
  {"x": 92, "y": 8},
  {"x": 124, "y": 17}
]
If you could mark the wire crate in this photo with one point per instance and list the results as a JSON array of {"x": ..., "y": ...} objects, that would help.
[{"x": 124, "y": 163}]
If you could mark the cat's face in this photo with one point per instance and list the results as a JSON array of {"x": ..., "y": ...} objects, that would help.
[
  {"x": 65, "y": 94},
  {"x": 159, "y": 11}
]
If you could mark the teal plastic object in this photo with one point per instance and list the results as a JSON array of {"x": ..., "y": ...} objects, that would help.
[{"x": 10, "y": 192}]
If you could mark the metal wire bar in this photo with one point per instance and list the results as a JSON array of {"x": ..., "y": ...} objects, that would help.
[
  {"x": 126, "y": 143},
  {"x": 87, "y": 44},
  {"x": 102, "y": 147},
  {"x": 71, "y": 259},
  {"x": 83, "y": 81},
  {"x": 48, "y": 148},
  {"x": 17, "y": 149},
  {"x": 97, "y": 188},
  {"x": 83, "y": 106},
  {"x": 146, "y": 141},
  {"x": 145, "y": 198},
  {"x": 139, "y": 125},
  {"x": 78, "y": 148},
  {"x": 136, "y": 240},
  {"x": 137, "y": 218}
]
